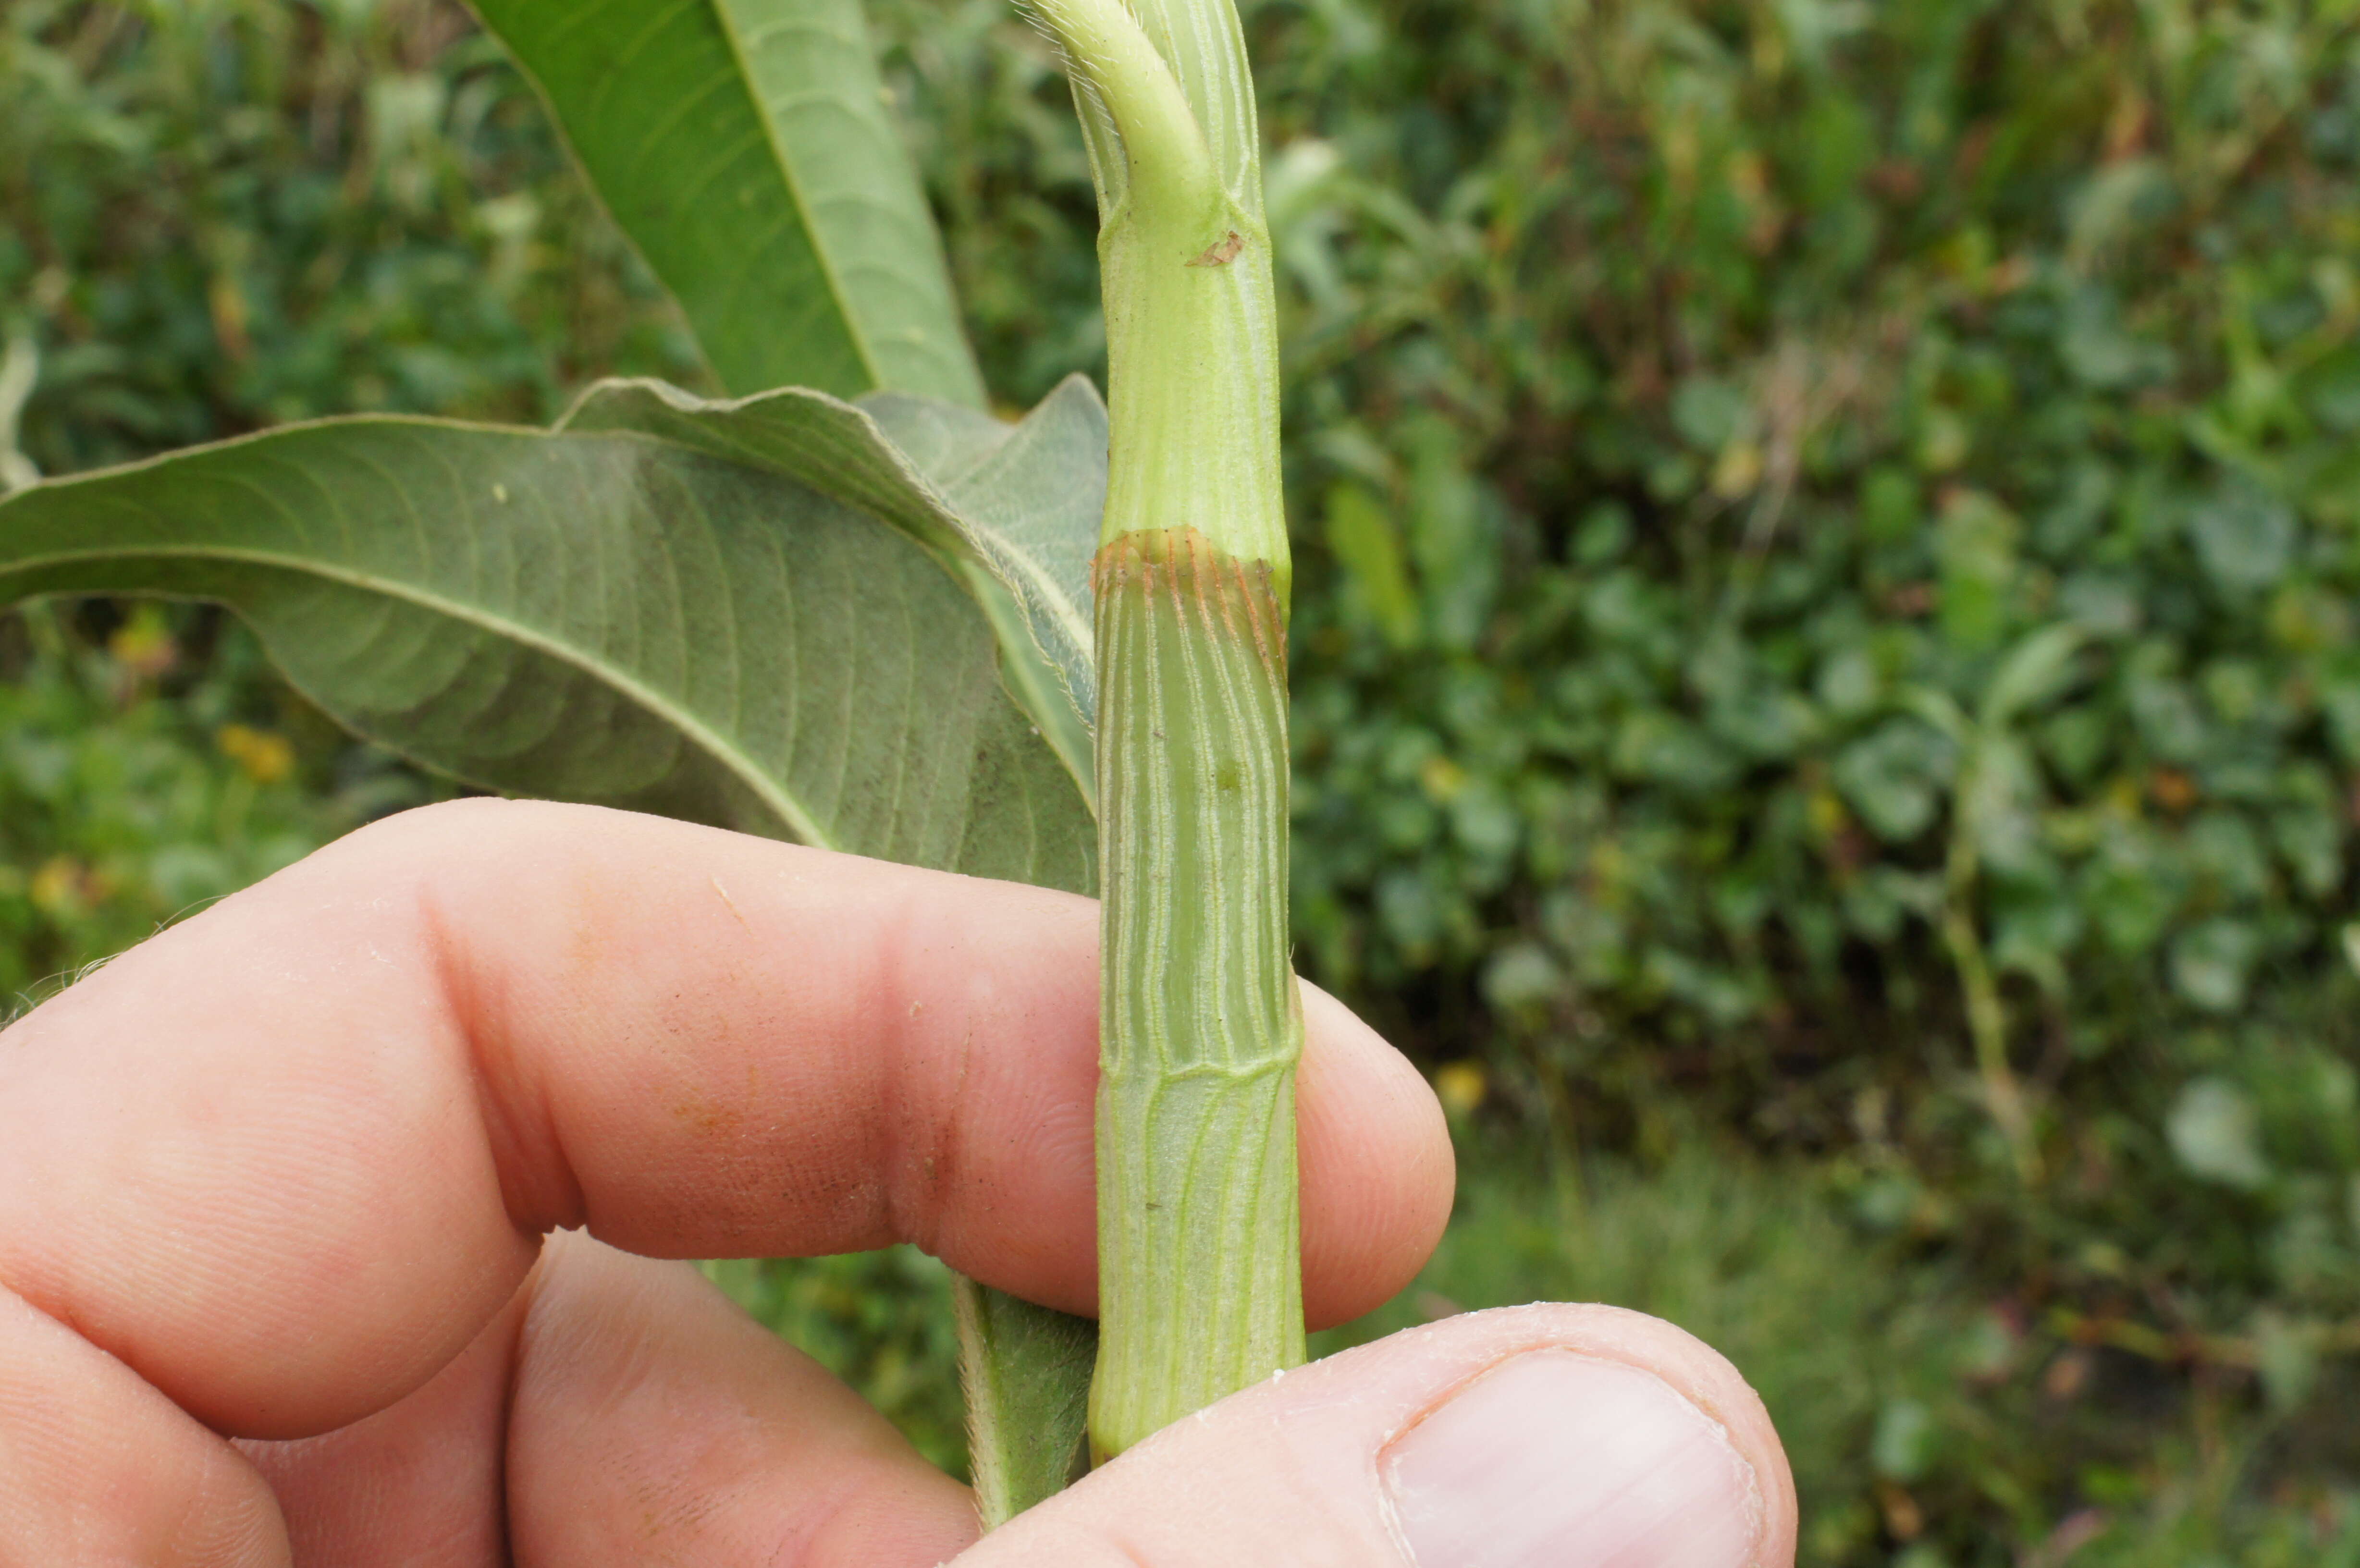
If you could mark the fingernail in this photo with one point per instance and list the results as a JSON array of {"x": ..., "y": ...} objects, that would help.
[{"x": 1558, "y": 1460}]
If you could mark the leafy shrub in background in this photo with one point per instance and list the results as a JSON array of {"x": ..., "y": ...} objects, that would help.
[
  {"x": 238, "y": 213},
  {"x": 1828, "y": 588},
  {"x": 147, "y": 769},
  {"x": 1698, "y": 467}
]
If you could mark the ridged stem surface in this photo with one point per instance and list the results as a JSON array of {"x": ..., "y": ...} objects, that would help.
[
  {"x": 1200, "y": 1263},
  {"x": 1199, "y": 1277}
]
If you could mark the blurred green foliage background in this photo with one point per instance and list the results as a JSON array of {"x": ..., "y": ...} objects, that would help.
[{"x": 1828, "y": 667}]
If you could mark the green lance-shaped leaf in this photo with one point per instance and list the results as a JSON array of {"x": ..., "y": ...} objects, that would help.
[
  {"x": 785, "y": 643},
  {"x": 747, "y": 148},
  {"x": 1012, "y": 508},
  {"x": 1028, "y": 499},
  {"x": 1027, "y": 1374}
]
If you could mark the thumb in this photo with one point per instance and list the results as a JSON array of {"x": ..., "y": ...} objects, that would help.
[{"x": 1530, "y": 1437}]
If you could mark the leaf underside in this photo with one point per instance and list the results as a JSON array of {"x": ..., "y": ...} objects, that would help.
[
  {"x": 787, "y": 643},
  {"x": 747, "y": 148},
  {"x": 1014, "y": 508},
  {"x": 1027, "y": 1385}
]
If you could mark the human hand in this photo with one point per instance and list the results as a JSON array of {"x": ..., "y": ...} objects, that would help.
[{"x": 278, "y": 1281}]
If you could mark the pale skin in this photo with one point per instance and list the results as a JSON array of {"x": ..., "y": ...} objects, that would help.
[{"x": 330, "y": 1220}]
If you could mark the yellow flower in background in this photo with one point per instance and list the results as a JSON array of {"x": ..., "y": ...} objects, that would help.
[
  {"x": 142, "y": 645},
  {"x": 54, "y": 883},
  {"x": 266, "y": 756},
  {"x": 1460, "y": 1086},
  {"x": 64, "y": 887}
]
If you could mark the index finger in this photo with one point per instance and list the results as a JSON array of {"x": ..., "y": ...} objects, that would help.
[{"x": 285, "y": 1159}]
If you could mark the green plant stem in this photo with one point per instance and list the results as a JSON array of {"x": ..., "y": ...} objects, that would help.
[
  {"x": 20, "y": 369},
  {"x": 1986, "y": 1011},
  {"x": 1200, "y": 1263},
  {"x": 1199, "y": 1274},
  {"x": 1193, "y": 381},
  {"x": 1192, "y": 330}
]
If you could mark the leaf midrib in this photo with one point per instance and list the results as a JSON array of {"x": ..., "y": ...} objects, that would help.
[
  {"x": 797, "y": 818},
  {"x": 790, "y": 176},
  {"x": 1052, "y": 592}
]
